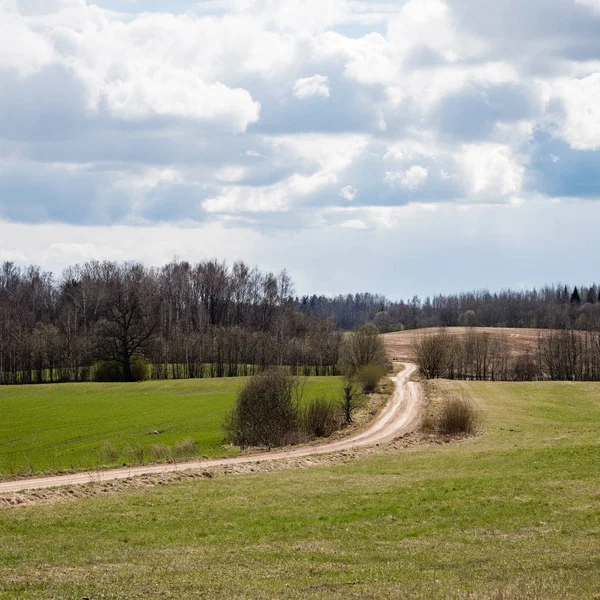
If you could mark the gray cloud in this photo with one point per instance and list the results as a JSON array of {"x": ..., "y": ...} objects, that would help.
[
  {"x": 557, "y": 170},
  {"x": 535, "y": 34},
  {"x": 38, "y": 194},
  {"x": 472, "y": 113}
]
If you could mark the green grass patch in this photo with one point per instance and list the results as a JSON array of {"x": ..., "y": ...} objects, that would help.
[
  {"x": 513, "y": 513},
  {"x": 88, "y": 425}
]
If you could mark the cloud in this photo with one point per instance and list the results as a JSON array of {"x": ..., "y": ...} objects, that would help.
[
  {"x": 593, "y": 4},
  {"x": 491, "y": 171},
  {"x": 580, "y": 99},
  {"x": 319, "y": 120},
  {"x": 349, "y": 193},
  {"x": 411, "y": 179},
  {"x": 20, "y": 47},
  {"x": 502, "y": 245},
  {"x": 180, "y": 94},
  {"x": 473, "y": 112},
  {"x": 312, "y": 86},
  {"x": 558, "y": 170},
  {"x": 354, "y": 224}
]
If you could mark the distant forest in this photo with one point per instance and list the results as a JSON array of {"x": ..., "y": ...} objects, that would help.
[
  {"x": 551, "y": 307},
  {"x": 215, "y": 320}
]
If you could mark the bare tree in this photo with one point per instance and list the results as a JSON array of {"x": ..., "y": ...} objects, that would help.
[
  {"x": 130, "y": 316},
  {"x": 351, "y": 398},
  {"x": 364, "y": 346},
  {"x": 431, "y": 354}
]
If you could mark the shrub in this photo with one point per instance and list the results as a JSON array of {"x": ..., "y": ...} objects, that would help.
[
  {"x": 369, "y": 376},
  {"x": 320, "y": 417},
  {"x": 457, "y": 415},
  {"x": 266, "y": 411},
  {"x": 107, "y": 371},
  {"x": 526, "y": 368},
  {"x": 140, "y": 369}
]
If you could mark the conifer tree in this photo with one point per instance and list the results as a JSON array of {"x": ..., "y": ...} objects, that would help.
[{"x": 592, "y": 295}]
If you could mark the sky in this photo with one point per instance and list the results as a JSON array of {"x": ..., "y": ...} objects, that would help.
[{"x": 408, "y": 147}]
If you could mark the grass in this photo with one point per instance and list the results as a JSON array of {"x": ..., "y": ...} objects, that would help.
[
  {"x": 513, "y": 513},
  {"x": 46, "y": 428}
]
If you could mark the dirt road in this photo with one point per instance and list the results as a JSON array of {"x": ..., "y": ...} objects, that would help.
[{"x": 402, "y": 415}]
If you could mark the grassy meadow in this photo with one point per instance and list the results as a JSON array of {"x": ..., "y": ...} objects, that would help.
[
  {"x": 512, "y": 513},
  {"x": 46, "y": 428}
]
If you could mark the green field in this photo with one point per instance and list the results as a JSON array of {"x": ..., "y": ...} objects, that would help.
[
  {"x": 87, "y": 425},
  {"x": 513, "y": 513}
]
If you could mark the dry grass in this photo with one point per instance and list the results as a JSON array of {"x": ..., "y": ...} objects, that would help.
[
  {"x": 398, "y": 345},
  {"x": 185, "y": 448}
]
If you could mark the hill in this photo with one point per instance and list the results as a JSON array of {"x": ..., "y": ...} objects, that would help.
[{"x": 398, "y": 344}]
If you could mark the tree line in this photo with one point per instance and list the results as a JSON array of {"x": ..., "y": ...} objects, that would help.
[
  {"x": 178, "y": 321},
  {"x": 551, "y": 307},
  {"x": 210, "y": 319},
  {"x": 559, "y": 355}
]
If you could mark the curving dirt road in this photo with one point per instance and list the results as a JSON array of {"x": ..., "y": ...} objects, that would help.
[{"x": 402, "y": 415}]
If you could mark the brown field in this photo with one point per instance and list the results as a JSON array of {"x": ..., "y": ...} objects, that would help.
[{"x": 398, "y": 344}]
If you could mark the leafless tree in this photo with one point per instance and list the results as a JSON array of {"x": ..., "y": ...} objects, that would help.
[{"x": 130, "y": 316}]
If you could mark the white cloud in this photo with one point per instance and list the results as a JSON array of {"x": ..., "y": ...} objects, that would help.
[
  {"x": 449, "y": 176},
  {"x": 21, "y": 48},
  {"x": 490, "y": 170},
  {"x": 593, "y": 4},
  {"x": 291, "y": 15},
  {"x": 248, "y": 200},
  {"x": 581, "y": 101},
  {"x": 9, "y": 256},
  {"x": 349, "y": 193},
  {"x": 279, "y": 197},
  {"x": 179, "y": 93},
  {"x": 70, "y": 253},
  {"x": 411, "y": 179},
  {"x": 230, "y": 174},
  {"x": 354, "y": 224},
  {"x": 317, "y": 85},
  {"x": 430, "y": 24},
  {"x": 322, "y": 157},
  {"x": 254, "y": 154},
  {"x": 368, "y": 60}
]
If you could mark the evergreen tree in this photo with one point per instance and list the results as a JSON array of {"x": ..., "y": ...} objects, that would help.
[
  {"x": 592, "y": 295},
  {"x": 575, "y": 297}
]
